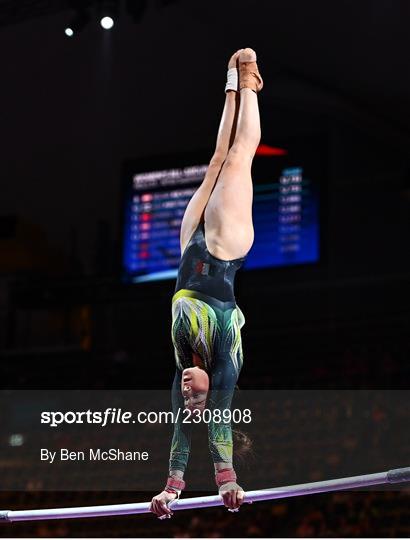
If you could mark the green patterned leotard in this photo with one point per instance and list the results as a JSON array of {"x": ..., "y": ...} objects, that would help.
[{"x": 206, "y": 321}]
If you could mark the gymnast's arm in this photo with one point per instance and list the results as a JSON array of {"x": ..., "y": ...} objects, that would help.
[{"x": 179, "y": 454}]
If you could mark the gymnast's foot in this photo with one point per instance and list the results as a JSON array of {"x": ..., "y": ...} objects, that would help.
[
  {"x": 232, "y": 75},
  {"x": 249, "y": 76},
  {"x": 233, "y": 61}
]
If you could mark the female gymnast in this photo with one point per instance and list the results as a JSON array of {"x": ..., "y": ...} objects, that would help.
[{"x": 216, "y": 235}]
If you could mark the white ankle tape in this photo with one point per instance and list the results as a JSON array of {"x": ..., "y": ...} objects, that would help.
[{"x": 232, "y": 80}]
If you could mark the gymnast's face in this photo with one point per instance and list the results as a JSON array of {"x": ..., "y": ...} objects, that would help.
[{"x": 194, "y": 388}]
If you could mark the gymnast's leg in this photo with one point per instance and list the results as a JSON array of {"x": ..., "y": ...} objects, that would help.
[
  {"x": 228, "y": 214},
  {"x": 226, "y": 134}
]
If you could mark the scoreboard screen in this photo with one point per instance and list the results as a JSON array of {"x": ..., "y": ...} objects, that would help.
[{"x": 285, "y": 210}]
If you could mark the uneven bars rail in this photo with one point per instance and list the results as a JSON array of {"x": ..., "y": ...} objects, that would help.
[{"x": 389, "y": 477}]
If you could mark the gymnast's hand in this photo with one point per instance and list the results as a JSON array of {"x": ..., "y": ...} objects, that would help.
[
  {"x": 159, "y": 504},
  {"x": 232, "y": 495}
]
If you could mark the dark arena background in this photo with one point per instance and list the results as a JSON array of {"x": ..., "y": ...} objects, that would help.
[{"x": 92, "y": 122}]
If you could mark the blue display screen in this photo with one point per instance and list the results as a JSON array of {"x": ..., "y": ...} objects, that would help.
[{"x": 285, "y": 213}]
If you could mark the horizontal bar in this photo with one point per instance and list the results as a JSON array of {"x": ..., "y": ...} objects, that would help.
[{"x": 339, "y": 484}]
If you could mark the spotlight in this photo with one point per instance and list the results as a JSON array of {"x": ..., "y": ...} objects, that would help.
[
  {"x": 107, "y": 23},
  {"x": 109, "y": 10},
  {"x": 81, "y": 18}
]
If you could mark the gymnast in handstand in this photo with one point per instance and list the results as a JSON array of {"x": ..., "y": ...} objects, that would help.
[{"x": 216, "y": 235}]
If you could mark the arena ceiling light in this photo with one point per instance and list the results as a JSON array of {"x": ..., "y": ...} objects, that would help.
[
  {"x": 108, "y": 13},
  {"x": 107, "y": 22},
  {"x": 76, "y": 25},
  {"x": 80, "y": 19}
]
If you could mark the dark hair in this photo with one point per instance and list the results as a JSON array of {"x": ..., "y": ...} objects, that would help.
[{"x": 242, "y": 445}]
